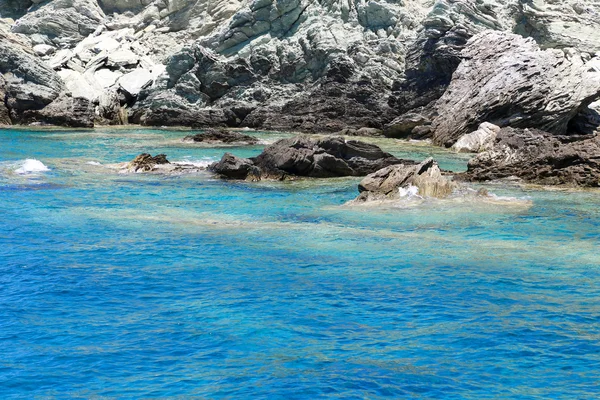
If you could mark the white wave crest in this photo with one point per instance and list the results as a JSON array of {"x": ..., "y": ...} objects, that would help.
[
  {"x": 204, "y": 162},
  {"x": 31, "y": 166},
  {"x": 409, "y": 191}
]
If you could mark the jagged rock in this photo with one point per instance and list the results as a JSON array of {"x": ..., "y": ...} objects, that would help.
[
  {"x": 508, "y": 81},
  {"x": 65, "y": 21},
  {"x": 480, "y": 140},
  {"x": 561, "y": 24},
  {"x": 434, "y": 55},
  {"x": 106, "y": 77},
  {"x": 122, "y": 58},
  {"x": 213, "y": 136},
  {"x": 539, "y": 157},
  {"x": 233, "y": 167},
  {"x": 4, "y": 113},
  {"x": 65, "y": 110},
  {"x": 30, "y": 84},
  {"x": 328, "y": 157},
  {"x": 364, "y": 131},
  {"x": 109, "y": 110},
  {"x": 396, "y": 181},
  {"x": 146, "y": 163},
  {"x": 302, "y": 156}
]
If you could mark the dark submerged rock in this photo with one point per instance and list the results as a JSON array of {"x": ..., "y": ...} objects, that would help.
[
  {"x": 539, "y": 157},
  {"x": 213, "y": 136}
]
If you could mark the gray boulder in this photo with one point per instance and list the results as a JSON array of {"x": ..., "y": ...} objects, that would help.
[
  {"x": 509, "y": 81},
  {"x": 65, "y": 110}
]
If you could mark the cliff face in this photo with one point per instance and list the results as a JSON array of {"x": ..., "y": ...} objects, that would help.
[{"x": 312, "y": 65}]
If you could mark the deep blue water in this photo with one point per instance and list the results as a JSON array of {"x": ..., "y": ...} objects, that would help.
[{"x": 140, "y": 286}]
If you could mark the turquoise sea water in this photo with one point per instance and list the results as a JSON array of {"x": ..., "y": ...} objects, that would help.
[{"x": 141, "y": 286}]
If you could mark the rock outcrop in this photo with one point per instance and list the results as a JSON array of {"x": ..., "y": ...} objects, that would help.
[
  {"x": 30, "y": 83},
  {"x": 401, "y": 180},
  {"x": 301, "y": 65},
  {"x": 509, "y": 81},
  {"x": 220, "y": 136},
  {"x": 539, "y": 157},
  {"x": 302, "y": 156}
]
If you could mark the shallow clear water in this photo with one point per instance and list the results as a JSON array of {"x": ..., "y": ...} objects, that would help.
[{"x": 142, "y": 286}]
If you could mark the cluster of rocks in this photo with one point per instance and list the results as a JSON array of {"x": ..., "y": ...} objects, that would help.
[
  {"x": 538, "y": 157},
  {"x": 303, "y": 156},
  {"x": 413, "y": 69}
]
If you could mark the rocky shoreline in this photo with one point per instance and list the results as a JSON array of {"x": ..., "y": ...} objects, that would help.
[{"x": 448, "y": 71}]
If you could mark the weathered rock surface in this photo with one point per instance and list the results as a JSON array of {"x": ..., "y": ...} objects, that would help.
[
  {"x": 4, "y": 113},
  {"x": 509, "y": 81},
  {"x": 63, "y": 22},
  {"x": 216, "y": 136},
  {"x": 145, "y": 162},
  {"x": 396, "y": 181},
  {"x": 233, "y": 167},
  {"x": 65, "y": 110},
  {"x": 480, "y": 140},
  {"x": 290, "y": 64},
  {"x": 539, "y": 157},
  {"x": 30, "y": 83},
  {"x": 302, "y": 156}
]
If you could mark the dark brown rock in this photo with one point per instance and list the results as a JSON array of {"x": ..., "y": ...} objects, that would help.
[
  {"x": 145, "y": 162},
  {"x": 539, "y": 157}
]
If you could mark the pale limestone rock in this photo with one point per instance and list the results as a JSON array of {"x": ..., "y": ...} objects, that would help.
[
  {"x": 133, "y": 82},
  {"x": 122, "y": 58},
  {"x": 480, "y": 140},
  {"x": 42, "y": 50},
  {"x": 106, "y": 77}
]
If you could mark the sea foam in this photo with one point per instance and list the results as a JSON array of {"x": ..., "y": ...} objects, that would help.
[{"x": 31, "y": 166}]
